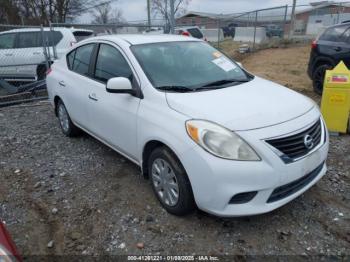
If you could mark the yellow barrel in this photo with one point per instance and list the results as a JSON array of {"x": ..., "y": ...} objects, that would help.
[{"x": 335, "y": 104}]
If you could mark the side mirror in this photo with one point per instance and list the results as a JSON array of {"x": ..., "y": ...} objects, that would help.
[
  {"x": 240, "y": 64},
  {"x": 120, "y": 85}
]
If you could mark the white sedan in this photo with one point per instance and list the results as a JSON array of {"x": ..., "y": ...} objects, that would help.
[{"x": 206, "y": 132}]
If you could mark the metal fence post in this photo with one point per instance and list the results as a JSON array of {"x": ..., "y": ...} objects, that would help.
[
  {"x": 44, "y": 47},
  {"x": 53, "y": 42},
  {"x": 255, "y": 24},
  {"x": 285, "y": 20},
  {"x": 218, "y": 33}
]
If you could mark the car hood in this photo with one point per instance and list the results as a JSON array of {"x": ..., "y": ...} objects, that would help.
[{"x": 255, "y": 104}]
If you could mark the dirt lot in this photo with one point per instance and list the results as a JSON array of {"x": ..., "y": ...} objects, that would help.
[{"x": 88, "y": 199}]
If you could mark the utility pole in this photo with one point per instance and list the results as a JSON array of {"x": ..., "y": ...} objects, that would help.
[
  {"x": 149, "y": 13},
  {"x": 292, "y": 20},
  {"x": 172, "y": 16}
]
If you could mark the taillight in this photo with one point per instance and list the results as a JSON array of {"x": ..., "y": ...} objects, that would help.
[
  {"x": 186, "y": 33},
  {"x": 205, "y": 39},
  {"x": 48, "y": 71},
  {"x": 314, "y": 44}
]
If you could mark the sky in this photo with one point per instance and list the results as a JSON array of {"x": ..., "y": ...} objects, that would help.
[{"x": 135, "y": 10}]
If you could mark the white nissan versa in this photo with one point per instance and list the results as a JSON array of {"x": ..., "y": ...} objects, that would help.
[{"x": 205, "y": 131}]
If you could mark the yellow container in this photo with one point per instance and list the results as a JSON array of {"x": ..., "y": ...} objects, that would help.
[{"x": 335, "y": 106}]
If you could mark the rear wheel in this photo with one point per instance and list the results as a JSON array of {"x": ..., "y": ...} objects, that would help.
[
  {"x": 67, "y": 126},
  {"x": 318, "y": 77},
  {"x": 41, "y": 72},
  {"x": 170, "y": 182}
]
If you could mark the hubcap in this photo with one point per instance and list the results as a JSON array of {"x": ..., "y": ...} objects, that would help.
[
  {"x": 165, "y": 183},
  {"x": 63, "y": 117}
]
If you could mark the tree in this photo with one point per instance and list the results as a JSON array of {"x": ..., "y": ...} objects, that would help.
[
  {"x": 36, "y": 12},
  {"x": 162, "y": 8},
  {"x": 105, "y": 14}
]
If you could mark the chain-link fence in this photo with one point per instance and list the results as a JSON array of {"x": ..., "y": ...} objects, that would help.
[{"x": 267, "y": 27}]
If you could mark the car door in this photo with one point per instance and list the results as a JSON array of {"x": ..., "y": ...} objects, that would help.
[
  {"x": 7, "y": 52},
  {"x": 113, "y": 117},
  {"x": 75, "y": 84}
]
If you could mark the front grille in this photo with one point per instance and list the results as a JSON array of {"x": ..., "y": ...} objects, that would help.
[
  {"x": 298, "y": 145},
  {"x": 290, "y": 188}
]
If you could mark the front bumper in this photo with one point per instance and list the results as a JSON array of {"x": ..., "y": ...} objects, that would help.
[{"x": 215, "y": 181}]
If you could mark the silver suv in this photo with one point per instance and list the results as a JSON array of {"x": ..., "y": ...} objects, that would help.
[{"x": 22, "y": 55}]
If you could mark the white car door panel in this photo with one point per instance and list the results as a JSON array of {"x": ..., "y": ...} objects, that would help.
[
  {"x": 7, "y": 53},
  {"x": 113, "y": 117},
  {"x": 77, "y": 84}
]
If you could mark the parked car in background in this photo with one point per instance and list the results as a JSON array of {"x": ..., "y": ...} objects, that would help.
[
  {"x": 229, "y": 30},
  {"x": 273, "y": 30},
  {"x": 193, "y": 31},
  {"x": 8, "y": 250},
  {"x": 22, "y": 55},
  {"x": 329, "y": 48},
  {"x": 206, "y": 132}
]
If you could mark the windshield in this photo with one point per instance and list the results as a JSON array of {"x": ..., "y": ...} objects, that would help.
[{"x": 187, "y": 65}]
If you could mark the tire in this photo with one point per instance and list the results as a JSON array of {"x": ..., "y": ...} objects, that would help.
[
  {"x": 318, "y": 77},
  {"x": 66, "y": 124},
  {"x": 169, "y": 179},
  {"x": 41, "y": 72}
]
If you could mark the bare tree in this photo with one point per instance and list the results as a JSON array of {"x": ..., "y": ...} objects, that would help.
[
  {"x": 105, "y": 14},
  {"x": 162, "y": 8},
  {"x": 43, "y": 11}
]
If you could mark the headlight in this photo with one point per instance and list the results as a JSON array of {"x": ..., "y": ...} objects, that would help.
[{"x": 220, "y": 141}]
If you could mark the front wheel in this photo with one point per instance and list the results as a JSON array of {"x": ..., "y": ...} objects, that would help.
[
  {"x": 318, "y": 78},
  {"x": 170, "y": 182}
]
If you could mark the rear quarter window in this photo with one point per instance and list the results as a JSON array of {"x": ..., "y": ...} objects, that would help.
[{"x": 52, "y": 38}]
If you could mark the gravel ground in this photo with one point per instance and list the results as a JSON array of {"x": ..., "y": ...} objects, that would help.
[{"x": 76, "y": 196}]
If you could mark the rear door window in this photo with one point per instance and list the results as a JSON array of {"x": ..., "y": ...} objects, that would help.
[
  {"x": 195, "y": 32},
  {"x": 111, "y": 63},
  {"x": 333, "y": 34},
  {"x": 7, "y": 41},
  {"x": 81, "y": 59}
]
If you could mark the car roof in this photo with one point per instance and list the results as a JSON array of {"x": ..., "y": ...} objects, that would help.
[
  {"x": 35, "y": 29},
  {"x": 138, "y": 39},
  {"x": 340, "y": 25}
]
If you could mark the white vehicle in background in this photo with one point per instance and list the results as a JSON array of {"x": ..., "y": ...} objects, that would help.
[{"x": 22, "y": 55}]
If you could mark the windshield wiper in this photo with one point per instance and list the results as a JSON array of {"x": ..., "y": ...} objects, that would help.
[
  {"x": 182, "y": 89},
  {"x": 224, "y": 82}
]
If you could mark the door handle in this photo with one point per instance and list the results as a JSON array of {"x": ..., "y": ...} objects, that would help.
[
  {"x": 61, "y": 83},
  {"x": 338, "y": 48},
  {"x": 36, "y": 53},
  {"x": 93, "y": 97},
  {"x": 8, "y": 54}
]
